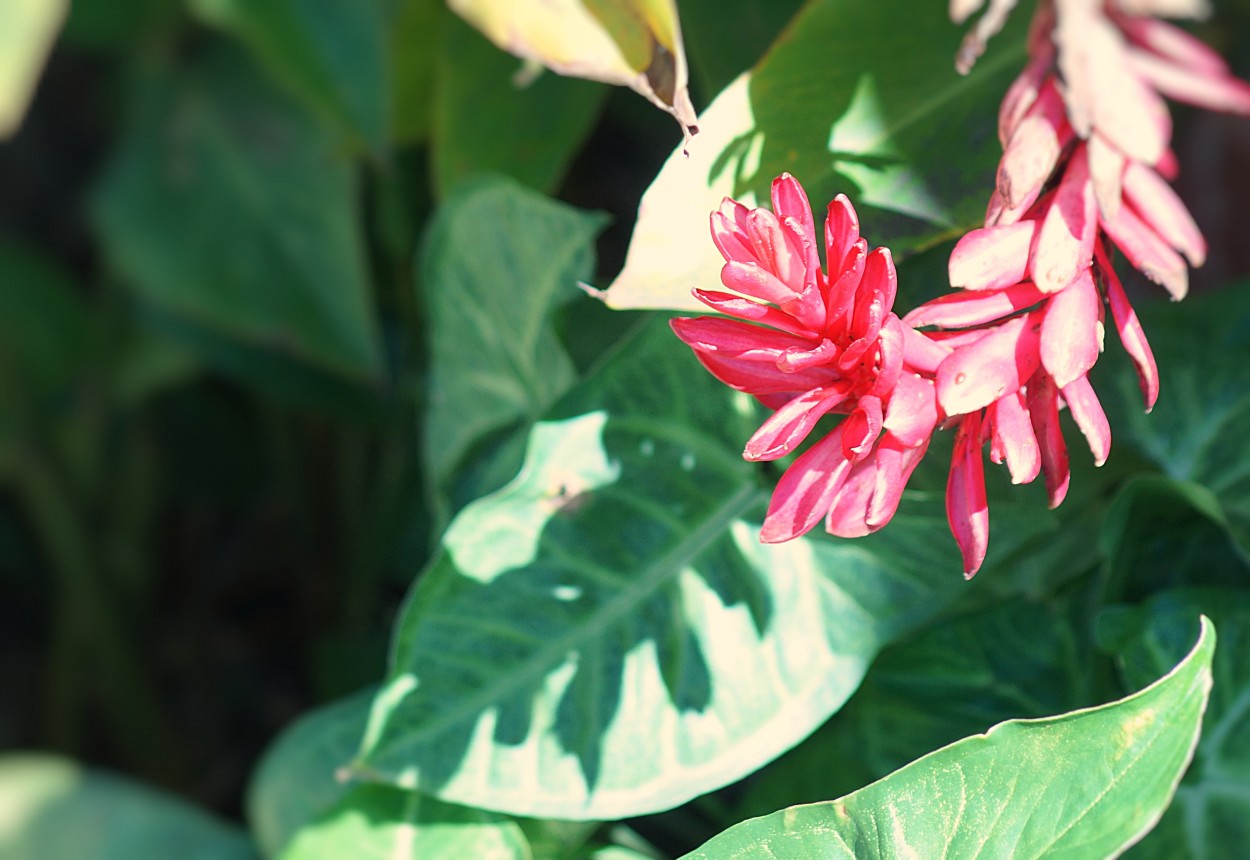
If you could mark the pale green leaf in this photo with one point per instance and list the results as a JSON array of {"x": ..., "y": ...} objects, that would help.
[
  {"x": 27, "y": 31},
  {"x": 1085, "y": 784}
]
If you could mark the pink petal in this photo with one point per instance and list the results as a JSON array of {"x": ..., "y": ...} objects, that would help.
[
  {"x": 999, "y": 214},
  {"x": 791, "y": 205},
  {"x": 795, "y": 359},
  {"x": 840, "y": 297},
  {"x": 1106, "y": 171},
  {"x": 1043, "y": 404},
  {"x": 861, "y": 428},
  {"x": 841, "y": 232},
  {"x": 1147, "y": 251},
  {"x": 921, "y": 353},
  {"x": 754, "y": 280},
  {"x": 1064, "y": 245},
  {"x": 807, "y": 489},
  {"x": 876, "y": 293},
  {"x": 873, "y": 490},
  {"x": 966, "y": 507},
  {"x": 1022, "y": 94},
  {"x": 974, "y": 376},
  {"x": 912, "y": 412},
  {"x": 1012, "y": 439},
  {"x": 1160, "y": 207},
  {"x": 744, "y": 356},
  {"x": 1131, "y": 333},
  {"x": 993, "y": 257},
  {"x": 1033, "y": 150},
  {"x": 1211, "y": 91},
  {"x": 786, "y": 428},
  {"x": 975, "y": 307},
  {"x": 1072, "y": 331},
  {"x": 790, "y": 201},
  {"x": 1087, "y": 411},
  {"x": 752, "y": 311},
  {"x": 1173, "y": 43},
  {"x": 890, "y": 356},
  {"x": 729, "y": 231}
]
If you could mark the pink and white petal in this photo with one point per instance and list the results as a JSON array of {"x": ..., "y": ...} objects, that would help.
[
  {"x": 848, "y": 514},
  {"x": 1106, "y": 171},
  {"x": 1132, "y": 335},
  {"x": 861, "y": 428},
  {"x": 1034, "y": 148},
  {"x": 921, "y": 353},
  {"x": 974, "y": 307},
  {"x": 912, "y": 413},
  {"x": 786, "y": 428},
  {"x": 1043, "y": 404},
  {"x": 1072, "y": 331},
  {"x": 841, "y": 231},
  {"x": 1022, "y": 94},
  {"x": 806, "y": 490},
  {"x": 1161, "y": 208},
  {"x": 752, "y": 311},
  {"x": 875, "y": 296},
  {"x": 1173, "y": 43},
  {"x": 890, "y": 356},
  {"x": 999, "y": 361},
  {"x": 729, "y": 231},
  {"x": 1168, "y": 166},
  {"x": 795, "y": 359},
  {"x": 778, "y": 251},
  {"x": 999, "y": 214},
  {"x": 760, "y": 378},
  {"x": 895, "y": 464},
  {"x": 1211, "y": 91},
  {"x": 1147, "y": 251},
  {"x": 1087, "y": 412},
  {"x": 790, "y": 201},
  {"x": 1012, "y": 439},
  {"x": 992, "y": 257},
  {"x": 744, "y": 356},
  {"x": 1064, "y": 245},
  {"x": 967, "y": 510}
]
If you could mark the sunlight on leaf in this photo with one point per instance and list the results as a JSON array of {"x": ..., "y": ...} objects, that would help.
[
  {"x": 27, "y": 31},
  {"x": 633, "y": 43},
  {"x": 850, "y": 103},
  {"x": 1085, "y": 784}
]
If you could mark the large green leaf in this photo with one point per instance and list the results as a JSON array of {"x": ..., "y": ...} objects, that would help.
[
  {"x": 332, "y": 55},
  {"x": 383, "y": 821},
  {"x": 231, "y": 211},
  {"x": 485, "y": 120},
  {"x": 723, "y": 46},
  {"x": 1084, "y": 784},
  {"x": 27, "y": 31},
  {"x": 52, "y": 808},
  {"x": 300, "y": 806},
  {"x": 860, "y": 98},
  {"x": 606, "y": 636},
  {"x": 496, "y": 261},
  {"x": 415, "y": 28},
  {"x": 1210, "y": 817},
  {"x": 1199, "y": 430}
]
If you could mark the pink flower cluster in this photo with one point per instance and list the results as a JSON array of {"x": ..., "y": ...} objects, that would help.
[{"x": 1086, "y": 151}]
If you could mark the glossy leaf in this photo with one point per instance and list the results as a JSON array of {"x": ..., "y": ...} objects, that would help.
[
  {"x": 487, "y": 120},
  {"x": 633, "y": 43},
  {"x": 642, "y": 646},
  {"x": 333, "y": 56},
  {"x": 54, "y": 808},
  {"x": 849, "y": 102},
  {"x": 497, "y": 261},
  {"x": 265, "y": 250},
  {"x": 27, "y": 30},
  {"x": 1084, "y": 784},
  {"x": 1200, "y": 427},
  {"x": 383, "y": 821},
  {"x": 1210, "y": 817}
]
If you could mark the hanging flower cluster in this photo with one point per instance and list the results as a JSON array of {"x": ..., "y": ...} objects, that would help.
[{"x": 1086, "y": 159}]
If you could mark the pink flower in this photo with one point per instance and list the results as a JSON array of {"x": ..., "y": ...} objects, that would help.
[{"x": 809, "y": 344}]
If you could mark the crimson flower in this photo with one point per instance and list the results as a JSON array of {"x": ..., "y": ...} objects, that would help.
[{"x": 806, "y": 344}]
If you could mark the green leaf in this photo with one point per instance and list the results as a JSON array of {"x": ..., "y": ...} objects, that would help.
[
  {"x": 53, "y": 808},
  {"x": 606, "y": 636},
  {"x": 382, "y": 821},
  {"x": 331, "y": 55},
  {"x": 1199, "y": 430},
  {"x": 486, "y": 121},
  {"x": 723, "y": 46},
  {"x": 27, "y": 30},
  {"x": 860, "y": 98},
  {"x": 415, "y": 27},
  {"x": 1210, "y": 814},
  {"x": 496, "y": 262},
  {"x": 296, "y": 781},
  {"x": 1085, "y": 784},
  {"x": 230, "y": 210}
]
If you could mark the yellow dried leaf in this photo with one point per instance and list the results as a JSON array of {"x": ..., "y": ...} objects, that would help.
[{"x": 27, "y": 31}]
